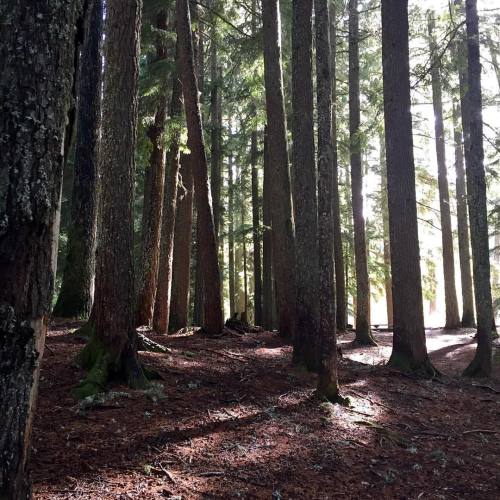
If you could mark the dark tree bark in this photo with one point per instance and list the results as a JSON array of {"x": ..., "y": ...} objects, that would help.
[
  {"x": 451, "y": 303},
  {"x": 281, "y": 207},
  {"x": 304, "y": 189},
  {"x": 161, "y": 314},
  {"x": 340, "y": 281},
  {"x": 387, "y": 245},
  {"x": 77, "y": 287},
  {"x": 267, "y": 266},
  {"x": 38, "y": 57},
  {"x": 111, "y": 351},
  {"x": 207, "y": 244},
  {"x": 232, "y": 283},
  {"x": 363, "y": 334},
  {"x": 181, "y": 266},
  {"x": 409, "y": 350},
  {"x": 328, "y": 386},
  {"x": 476, "y": 191},
  {"x": 153, "y": 196},
  {"x": 468, "y": 319}
]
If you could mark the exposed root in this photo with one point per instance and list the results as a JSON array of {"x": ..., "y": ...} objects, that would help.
[
  {"x": 145, "y": 344},
  {"x": 405, "y": 364}
]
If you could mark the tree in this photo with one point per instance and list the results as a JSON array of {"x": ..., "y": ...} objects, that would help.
[
  {"x": 409, "y": 350},
  {"x": 36, "y": 99},
  {"x": 77, "y": 286},
  {"x": 232, "y": 280},
  {"x": 281, "y": 207},
  {"x": 161, "y": 313},
  {"x": 340, "y": 282},
  {"x": 304, "y": 188},
  {"x": 363, "y": 334},
  {"x": 476, "y": 191},
  {"x": 207, "y": 242},
  {"x": 327, "y": 381},
  {"x": 452, "y": 316},
  {"x": 111, "y": 351}
]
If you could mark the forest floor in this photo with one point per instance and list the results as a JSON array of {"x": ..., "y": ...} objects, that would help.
[{"x": 235, "y": 420}]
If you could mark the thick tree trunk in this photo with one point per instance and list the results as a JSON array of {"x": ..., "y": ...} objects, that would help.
[
  {"x": 363, "y": 334},
  {"x": 340, "y": 281},
  {"x": 181, "y": 266},
  {"x": 153, "y": 195},
  {"x": 451, "y": 303},
  {"x": 163, "y": 293},
  {"x": 328, "y": 386},
  {"x": 305, "y": 349},
  {"x": 476, "y": 191},
  {"x": 112, "y": 348},
  {"x": 77, "y": 287},
  {"x": 207, "y": 244},
  {"x": 36, "y": 98},
  {"x": 281, "y": 207},
  {"x": 267, "y": 266},
  {"x": 468, "y": 319},
  {"x": 387, "y": 245},
  {"x": 409, "y": 350}
]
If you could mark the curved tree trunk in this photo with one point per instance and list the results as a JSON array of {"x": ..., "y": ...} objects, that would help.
[
  {"x": 77, "y": 287},
  {"x": 111, "y": 351},
  {"x": 409, "y": 351},
  {"x": 452, "y": 315},
  {"x": 476, "y": 191},
  {"x": 363, "y": 334},
  {"x": 36, "y": 99},
  {"x": 305, "y": 347},
  {"x": 207, "y": 243},
  {"x": 281, "y": 208}
]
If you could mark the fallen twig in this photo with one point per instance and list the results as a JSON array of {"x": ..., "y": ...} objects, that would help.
[{"x": 482, "y": 431}]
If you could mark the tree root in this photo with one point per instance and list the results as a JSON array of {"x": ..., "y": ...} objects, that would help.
[{"x": 148, "y": 345}]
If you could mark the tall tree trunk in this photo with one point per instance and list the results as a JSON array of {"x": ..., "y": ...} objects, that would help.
[
  {"x": 340, "y": 281},
  {"x": 232, "y": 281},
  {"x": 36, "y": 99},
  {"x": 328, "y": 386},
  {"x": 409, "y": 350},
  {"x": 181, "y": 266},
  {"x": 207, "y": 244},
  {"x": 305, "y": 349},
  {"x": 267, "y": 266},
  {"x": 476, "y": 191},
  {"x": 451, "y": 303},
  {"x": 387, "y": 245},
  {"x": 281, "y": 208},
  {"x": 111, "y": 351},
  {"x": 363, "y": 334},
  {"x": 468, "y": 319},
  {"x": 163, "y": 294},
  {"x": 77, "y": 287}
]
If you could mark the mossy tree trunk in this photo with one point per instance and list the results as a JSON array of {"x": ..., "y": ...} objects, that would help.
[
  {"x": 77, "y": 287},
  {"x": 111, "y": 351},
  {"x": 36, "y": 99}
]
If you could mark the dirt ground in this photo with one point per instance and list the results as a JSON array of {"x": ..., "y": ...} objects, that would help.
[{"x": 235, "y": 420}]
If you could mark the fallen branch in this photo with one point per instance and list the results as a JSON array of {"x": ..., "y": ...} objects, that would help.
[{"x": 482, "y": 431}]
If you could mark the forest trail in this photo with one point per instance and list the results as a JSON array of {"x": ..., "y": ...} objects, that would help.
[{"x": 234, "y": 420}]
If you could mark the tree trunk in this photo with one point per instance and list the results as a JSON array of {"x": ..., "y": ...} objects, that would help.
[
  {"x": 340, "y": 281},
  {"x": 36, "y": 98},
  {"x": 305, "y": 347},
  {"x": 163, "y": 294},
  {"x": 153, "y": 197},
  {"x": 281, "y": 207},
  {"x": 363, "y": 334},
  {"x": 468, "y": 320},
  {"x": 387, "y": 245},
  {"x": 267, "y": 266},
  {"x": 476, "y": 191},
  {"x": 452, "y": 315},
  {"x": 207, "y": 244},
  {"x": 112, "y": 348},
  {"x": 181, "y": 266},
  {"x": 77, "y": 287},
  {"x": 328, "y": 386},
  {"x": 409, "y": 350},
  {"x": 232, "y": 281}
]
